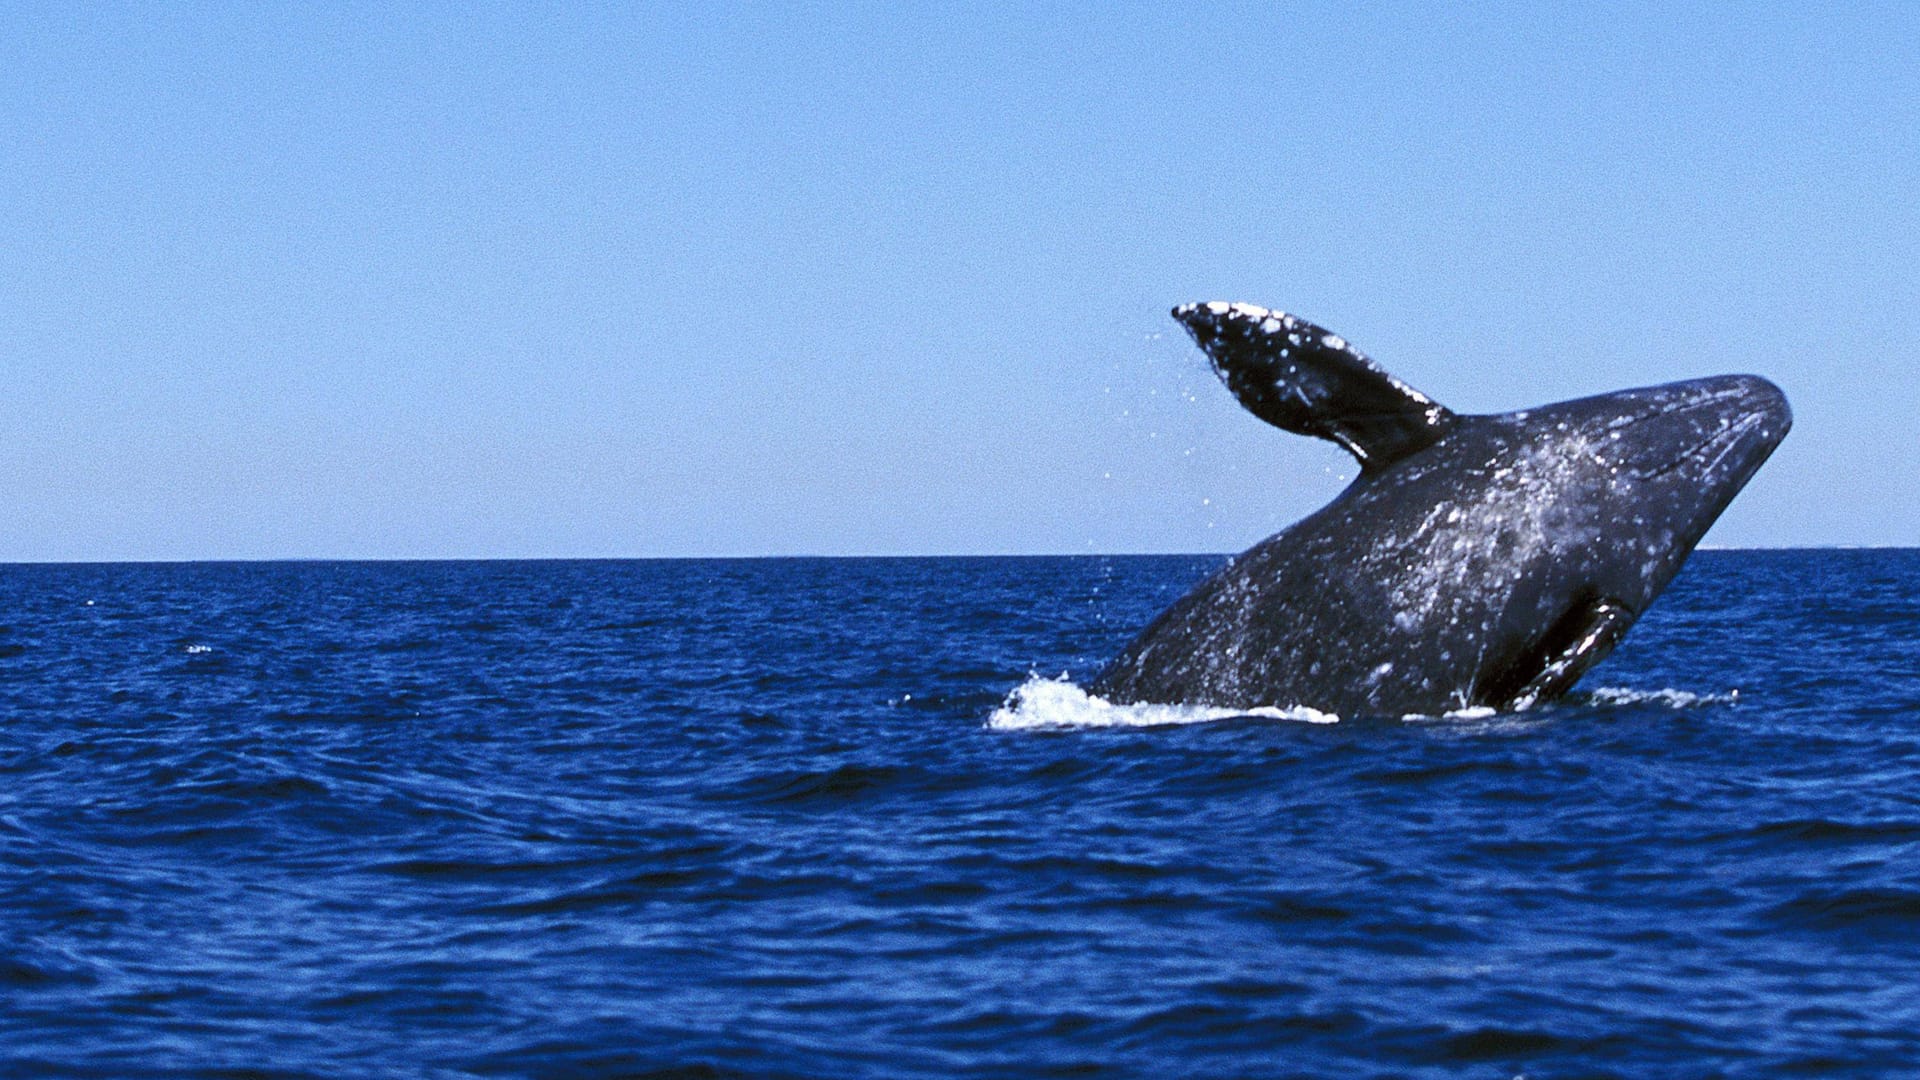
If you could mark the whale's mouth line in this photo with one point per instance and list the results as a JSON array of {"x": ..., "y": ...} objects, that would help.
[
  {"x": 1725, "y": 441},
  {"x": 1716, "y": 446}
]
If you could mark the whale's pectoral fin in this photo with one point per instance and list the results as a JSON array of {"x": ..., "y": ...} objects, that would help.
[
  {"x": 1582, "y": 638},
  {"x": 1297, "y": 376}
]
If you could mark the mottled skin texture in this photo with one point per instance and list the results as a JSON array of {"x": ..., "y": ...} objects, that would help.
[{"x": 1453, "y": 575}]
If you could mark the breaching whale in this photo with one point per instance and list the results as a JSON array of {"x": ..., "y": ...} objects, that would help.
[{"x": 1474, "y": 561}]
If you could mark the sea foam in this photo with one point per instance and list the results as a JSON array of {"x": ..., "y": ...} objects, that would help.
[
  {"x": 1677, "y": 699},
  {"x": 1043, "y": 704}
]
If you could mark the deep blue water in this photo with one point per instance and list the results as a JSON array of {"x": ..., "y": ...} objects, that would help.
[{"x": 747, "y": 818}]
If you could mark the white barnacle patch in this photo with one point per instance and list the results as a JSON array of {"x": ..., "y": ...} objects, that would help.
[
  {"x": 1219, "y": 307},
  {"x": 1334, "y": 341},
  {"x": 1477, "y": 551},
  {"x": 1270, "y": 325}
]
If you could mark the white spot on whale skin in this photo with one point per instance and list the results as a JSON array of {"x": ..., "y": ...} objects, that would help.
[
  {"x": 1219, "y": 307},
  {"x": 1334, "y": 341}
]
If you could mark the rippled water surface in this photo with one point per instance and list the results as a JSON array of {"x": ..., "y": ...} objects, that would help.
[{"x": 770, "y": 818}]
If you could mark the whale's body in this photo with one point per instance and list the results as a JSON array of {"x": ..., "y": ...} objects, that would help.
[{"x": 1475, "y": 561}]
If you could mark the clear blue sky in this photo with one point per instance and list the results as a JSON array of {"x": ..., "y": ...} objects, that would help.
[{"x": 492, "y": 280}]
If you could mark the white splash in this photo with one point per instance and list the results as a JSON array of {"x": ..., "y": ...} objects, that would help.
[
  {"x": 1677, "y": 699},
  {"x": 1471, "y": 712},
  {"x": 1605, "y": 696},
  {"x": 1053, "y": 704}
]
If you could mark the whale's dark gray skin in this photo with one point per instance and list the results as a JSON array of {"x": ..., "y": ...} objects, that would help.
[{"x": 1475, "y": 560}]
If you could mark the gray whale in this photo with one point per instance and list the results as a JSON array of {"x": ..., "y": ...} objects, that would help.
[{"x": 1475, "y": 560}]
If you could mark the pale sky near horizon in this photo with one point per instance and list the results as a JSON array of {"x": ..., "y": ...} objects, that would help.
[{"x": 406, "y": 281}]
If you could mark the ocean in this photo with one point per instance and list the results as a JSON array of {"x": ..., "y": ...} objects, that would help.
[{"x": 855, "y": 818}]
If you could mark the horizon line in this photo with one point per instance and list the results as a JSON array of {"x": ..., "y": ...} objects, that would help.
[{"x": 774, "y": 557}]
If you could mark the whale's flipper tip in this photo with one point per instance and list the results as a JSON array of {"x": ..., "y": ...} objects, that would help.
[{"x": 1308, "y": 380}]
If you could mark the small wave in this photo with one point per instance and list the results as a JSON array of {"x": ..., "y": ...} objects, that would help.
[
  {"x": 843, "y": 783},
  {"x": 1497, "y": 1043},
  {"x": 1676, "y": 699},
  {"x": 1043, "y": 704},
  {"x": 1878, "y": 908}
]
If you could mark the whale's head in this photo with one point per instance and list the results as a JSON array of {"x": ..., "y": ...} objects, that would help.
[
  {"x": 1635, "y": 478},
  {"x": 1515, "y": 534}
]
